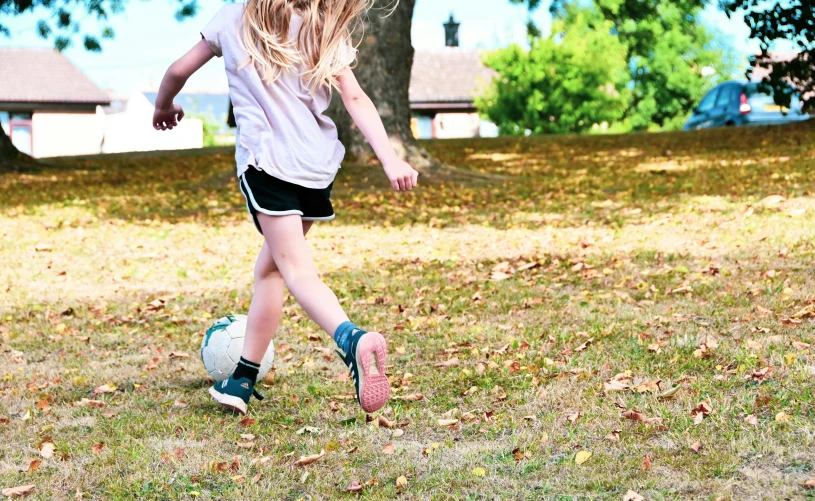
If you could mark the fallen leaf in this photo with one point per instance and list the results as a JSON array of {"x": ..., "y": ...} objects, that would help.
[
  {"x": 179, "y": 403},
  {"x": 384, "y": 422},
  {"x": 646, "y": 463},
  {"x": 247, "y": 436},
  {"x": 632, "y": 496},
  {"x": 810, "y": 484},
  {"x": 33, "y": 466},
  {"x": 470, "y": 391},
  {"x": 308, "y": 429},
  {"x": 649, "y": 386},
  {"x": 14, "y": 492},
  {"x": 574, "y": 417},
  {"x": 771, "y": 201},
  {"x": 179, "y": 453},
  {"x": 453, "y": 362},
  {"x": 97, "y": 448},
  {"x": 585, "y": 345},
  {"x": 800, "y": 346},
  {"x": 498, "y": 393},
  {"x": 245, "y": 445},
  {"x": 699, "y": 412},
  {"x": 751, "y": 419},
  {"x": 447, "y": 422},
  {"x": 47, "y": 449},
  {"x": 669, "y": 393},
  {"x": 155, "y": 305},
  {"x": 696, "y": 446},
  {"x": 91, "y": 403},
  {"x": 247, "y": 422},
  {"x": 614, "y": 436},
  {"x": 581, "y": 457},
  {"x": 305, "y": 460},
  {"x": 401, "y": 482},
  {"x": 388, "y": 449},
  {"x": 354, "y": 486},
  {"x": 179, "y": 354},
  {"x": 413, "y": 397},
  {"x": 105, "y": 388},
  {"x": 479, "y": 472},
  {"x": 615, "y": 385},
  {"x": 783, "y": 417},
  {"x": 760, "y": 375}
]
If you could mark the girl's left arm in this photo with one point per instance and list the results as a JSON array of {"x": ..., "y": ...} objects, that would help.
[
  {"x": 167, "y": 115},
  {"x": 402, "y": 176}
]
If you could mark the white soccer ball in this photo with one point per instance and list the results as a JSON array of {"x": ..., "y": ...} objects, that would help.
[{"x": 222, "y": 346}]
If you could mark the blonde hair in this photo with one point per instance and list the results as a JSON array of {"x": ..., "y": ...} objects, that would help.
[{"x": 321, "y": 44}]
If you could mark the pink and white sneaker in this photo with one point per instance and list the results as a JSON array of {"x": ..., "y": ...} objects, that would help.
[{"x": 370, "y": 381}]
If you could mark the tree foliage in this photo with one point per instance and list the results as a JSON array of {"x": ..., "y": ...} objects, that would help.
[
  {"x": 791, "y": 21},
  {"x": 663, "y": 51},
  {"x": 62, "y": 22},
  {"x": 557, "y": 85}
]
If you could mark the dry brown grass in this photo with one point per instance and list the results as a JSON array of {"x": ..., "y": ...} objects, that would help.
[{"x": 550, "y": 243}]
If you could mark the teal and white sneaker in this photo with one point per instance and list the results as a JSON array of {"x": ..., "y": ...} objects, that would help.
[
  {"x": 235, "y": 394},
  {"x": 370, "y": 381}
]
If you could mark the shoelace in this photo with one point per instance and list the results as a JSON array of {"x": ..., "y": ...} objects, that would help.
[{"x": 257, "y": 394}]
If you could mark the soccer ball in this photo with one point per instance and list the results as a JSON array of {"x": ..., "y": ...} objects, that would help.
[{"x": 222, "y": 346}]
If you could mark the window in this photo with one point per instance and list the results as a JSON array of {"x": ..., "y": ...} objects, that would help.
[
  {"x": 21, "y": 137},
  {"x": 708, "y": 101},
  {"x": 17, "y": 127},
  {"x": 727, "y": 96}
]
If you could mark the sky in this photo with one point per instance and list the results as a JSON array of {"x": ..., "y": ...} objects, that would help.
[{"x": 148, "y": 38}]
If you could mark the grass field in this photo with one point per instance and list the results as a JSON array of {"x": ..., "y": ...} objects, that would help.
[{"x": 569, "y": 318}]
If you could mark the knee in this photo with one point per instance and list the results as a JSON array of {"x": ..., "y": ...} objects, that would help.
[
  {"x": 299, "y": 275},
  {"x": 267, "y": 271}
]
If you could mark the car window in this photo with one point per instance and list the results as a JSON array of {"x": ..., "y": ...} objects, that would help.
[
  {"x": 726, "y": 96},
  {"x": 708, "y": 101},
  {"x": 765, "y": 102}
]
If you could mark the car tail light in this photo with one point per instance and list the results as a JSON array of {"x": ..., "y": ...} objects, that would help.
[{"x": 745, "y": 107}]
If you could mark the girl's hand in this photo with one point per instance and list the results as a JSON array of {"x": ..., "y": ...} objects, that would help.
[
  {"x": 403, "y": 177},
  {"x": 164, "y": 119}
]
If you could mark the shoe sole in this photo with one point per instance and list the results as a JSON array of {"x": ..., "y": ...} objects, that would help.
[
  {"x": 234, "y": 404},
  {"x": 374, "y": 389}
]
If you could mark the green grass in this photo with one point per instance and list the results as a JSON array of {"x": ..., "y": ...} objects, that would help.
[{"x": 649, "y": 245}]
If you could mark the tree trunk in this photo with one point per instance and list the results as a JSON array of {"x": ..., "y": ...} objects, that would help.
[
  {"x": 383, "y": 70},
  {"x": 10, "y": 158}
]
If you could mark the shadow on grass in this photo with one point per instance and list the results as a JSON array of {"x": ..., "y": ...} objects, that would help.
[{"x": 567, "y": 176}]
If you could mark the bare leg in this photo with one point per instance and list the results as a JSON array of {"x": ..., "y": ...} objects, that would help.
[
  {"x": 267, "y": 304},
  {"x": 292, "y": 257}
]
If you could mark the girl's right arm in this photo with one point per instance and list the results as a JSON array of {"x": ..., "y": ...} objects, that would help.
[{"x": 167, "y": 115}]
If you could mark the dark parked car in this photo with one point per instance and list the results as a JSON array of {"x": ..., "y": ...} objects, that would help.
[{"x": 741, "y": 103}]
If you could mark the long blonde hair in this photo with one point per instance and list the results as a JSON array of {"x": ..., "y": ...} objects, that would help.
[{"x": 322, "y": 41}]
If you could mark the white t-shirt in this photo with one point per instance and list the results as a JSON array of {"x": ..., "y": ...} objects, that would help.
[{"x": 281, "y": 127}]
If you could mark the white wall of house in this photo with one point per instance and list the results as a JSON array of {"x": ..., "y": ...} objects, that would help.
[
  {"x": 131, "y": 130},
  {"x": 63, "y": 133},
  {"x": 455, "y": 125}
]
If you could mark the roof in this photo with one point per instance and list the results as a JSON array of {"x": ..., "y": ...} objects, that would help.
[
  {"x": 45, "y": 76},
  {"x": 448, "y": 75}
]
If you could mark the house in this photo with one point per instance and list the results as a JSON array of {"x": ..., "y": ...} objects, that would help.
[
  {"x": 47, "y": 106},
  {"x": 443, "y": 87},
  {"x": 127, "y": 127}
]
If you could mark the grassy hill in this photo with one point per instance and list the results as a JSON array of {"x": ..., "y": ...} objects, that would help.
[{"x": 581, "y": 317}]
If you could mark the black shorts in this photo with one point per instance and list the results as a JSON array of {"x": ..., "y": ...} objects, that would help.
[{"x": 274, "y": 197}]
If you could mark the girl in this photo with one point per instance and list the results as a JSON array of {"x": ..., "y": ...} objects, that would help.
[{"x": 283, "y": 58}]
